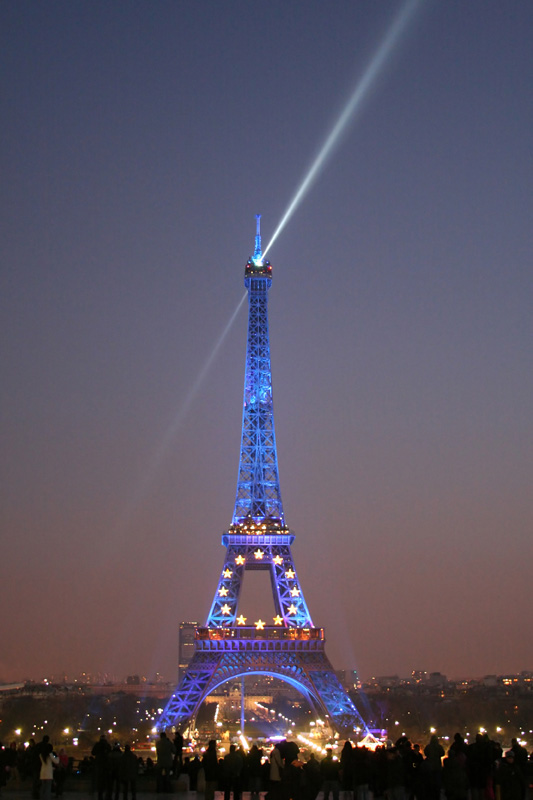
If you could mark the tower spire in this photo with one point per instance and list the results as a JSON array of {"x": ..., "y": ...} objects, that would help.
[
  {"x": 258, "y": 493},
  {"x": 258, "y": 254}
]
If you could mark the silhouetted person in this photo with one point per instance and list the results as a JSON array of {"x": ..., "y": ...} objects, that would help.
[
  {"x": 415, "y": 785},
  {"x": 165, "y": 752},
  {"x": 509, "y": 780},
  {"x": 194, "y": 769},
  {"x": 434, "y": 752},
  {"x": 149, "y": 767},
  {"x": 61, "y": 772},
  {"x": 113, "y": 777},
  {"x": 11, "y": 765},
  {"x": 454, "y": 776},
  {"x": 128, "y": 769},
  {"x": 41, "y": 747},
  {"x": 458, "y": 745},
  {"x": 48, "y": 761},
  {"x": 479, "y": 766},
  {"x": 3, "y": 765},
  {"x": 253, "y": 764},
  {"x": 211, "y": 770},
  {"x": 361, "y": 773},
  {"x": 178, "y": 757},
  {"x": 520, "y": 755},
  {"x": 346, "y": 769},
  {"x": 232, "y": 769},
  {"x": 329, "y": 770},
  {"x": 292, "y": 775},
  {"x": 395, "y": 775},
  {"x": 100, "y": 753},
  {"x": 275, "y": 772},
  {"x": 312, "y": 778}
]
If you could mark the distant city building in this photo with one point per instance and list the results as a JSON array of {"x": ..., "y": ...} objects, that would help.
[
  {"x": 387, "y": 681},
  {"x": 348, "y": 678},
  {"x": 436, "y": 679},
  {"x": 430, "y": 679},
  {"x": 187, "y": 632},
  {"x": 522, "y": 679}
]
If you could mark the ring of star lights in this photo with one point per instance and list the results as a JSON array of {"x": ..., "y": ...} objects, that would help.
[{"x": 291, "y": 609}]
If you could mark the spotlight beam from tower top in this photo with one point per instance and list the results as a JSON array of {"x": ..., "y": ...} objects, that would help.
[{"x": 360, "y": 92}]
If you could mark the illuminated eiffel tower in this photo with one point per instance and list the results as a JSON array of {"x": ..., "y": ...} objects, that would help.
[{"x": 290, "y": 647}]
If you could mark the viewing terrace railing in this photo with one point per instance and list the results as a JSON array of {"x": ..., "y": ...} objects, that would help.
[{"x": 270, "y": 637}]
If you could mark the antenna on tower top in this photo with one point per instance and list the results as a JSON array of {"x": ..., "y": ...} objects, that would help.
[{"x": 258, "y": 255}]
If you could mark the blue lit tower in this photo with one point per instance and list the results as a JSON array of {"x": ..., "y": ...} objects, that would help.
[
  {"x": 258, "y": 492},
  {"x": 289, "y": 647}
]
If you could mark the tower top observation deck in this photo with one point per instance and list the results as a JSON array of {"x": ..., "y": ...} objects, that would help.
[{"x": 256, "y": 267}]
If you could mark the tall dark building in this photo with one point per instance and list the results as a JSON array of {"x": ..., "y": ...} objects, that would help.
[{"x": 186, "y": 644}]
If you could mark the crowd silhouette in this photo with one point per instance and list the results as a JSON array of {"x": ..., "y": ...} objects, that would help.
[{"x": 401, "y": 771}]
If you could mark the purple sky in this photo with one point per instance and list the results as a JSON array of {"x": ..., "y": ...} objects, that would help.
[{"x": 138, "y": 141}]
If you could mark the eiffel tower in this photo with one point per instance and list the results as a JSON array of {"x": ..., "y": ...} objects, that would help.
[{"x": 290, "y": 648}]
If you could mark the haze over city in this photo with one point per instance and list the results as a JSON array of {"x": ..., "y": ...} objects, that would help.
[{"x": 139, "y": 141}]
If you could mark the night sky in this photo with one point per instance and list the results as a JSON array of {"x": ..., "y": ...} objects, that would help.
[{"x": 138, "y": 141}]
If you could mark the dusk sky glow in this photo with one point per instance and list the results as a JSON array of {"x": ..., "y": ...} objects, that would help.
[{"x": 139, "y": 141}]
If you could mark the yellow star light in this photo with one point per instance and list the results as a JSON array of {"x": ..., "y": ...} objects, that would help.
[
  {"x": 240, "y": 560},
  {"x": 295, "y": 592},
  {"x": 241, "y": 620},
  {"x": 226, "y": 609},
  {"x": 290, "y": 573},
  {"x": 259, "y": 554},
  {"x": 222, "y": 591},
  {"x": 278, "y": 560},
  {"x": 227, "y": 573},
  {"x": 292, "y": 609},
  {"x": 278, "y": 620},
  {"x": 259, "y": 624}
]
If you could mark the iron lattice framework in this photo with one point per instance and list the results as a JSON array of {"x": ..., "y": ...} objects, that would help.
[{"x": 291, "y": 648}]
